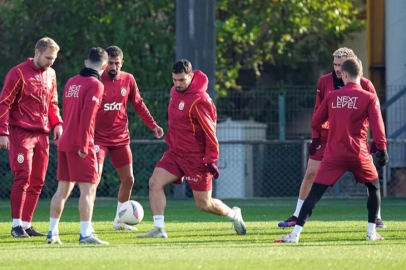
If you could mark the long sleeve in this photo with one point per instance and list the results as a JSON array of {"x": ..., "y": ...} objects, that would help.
[
  {"x": 91, "y": 104},
  {"x": 376, "y": 124},
  {"x": 11, "y": 88},
  {"x": 319, "y": 99},
  {"x": 370, "y": 88},
  {"x": 139, "y": 106},
  {"x": 53, "y": 111},
  {"x": 207, "y": 117},
  {"x": 320, "y": 116}
]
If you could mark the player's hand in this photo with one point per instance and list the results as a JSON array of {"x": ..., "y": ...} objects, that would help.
[
  {"x": 82, "y": 155},
  {"x": 58, "y": 130},
  {"x": 374, "y": 148},
  {"x": 159, "y": 132},
  {"x": 382, "y": 158},
  {"x": 213, "y": 170},
  {"x": 4, "y": 143},
  {"x": 315, "y": 145}
]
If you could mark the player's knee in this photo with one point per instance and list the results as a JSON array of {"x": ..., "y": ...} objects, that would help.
[
  {"x": 154, "y": 183},
  {"x": 128, "y": 181},
  {"x": 374, "y": 185},
  {"x": 310, "y": 175},
  {"x": 203, "y": 205},
  {"x": 21, "y": 183}
]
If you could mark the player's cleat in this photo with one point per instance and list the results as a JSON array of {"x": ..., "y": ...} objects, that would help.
[
  {"x": 19, "y": 232},
  {"x": 290, "y": 222},
  {"x": 374, "y": 237},
  {"x": 53, "y": 239},
  {"x": 380, "y": 224},
  {"x": 91, "y": 239},
  {"x": 154, "y": 233},
  {"x": 238, "y": 223},
  {"x": 33, "y": 232},
  {"x": 120, "y": 226},
  {"x": 289, "y": 238}
]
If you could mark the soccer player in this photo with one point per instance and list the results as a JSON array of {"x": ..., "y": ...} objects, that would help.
[
  {"x": 348, "y": 112},
  {"x": 193, "y": 150},
  {"x": 111, "y": 134},
  {"x": 76, "y": 150},
  {"x": 28, "y": 112},
  {"x": 327, "y": 83}
]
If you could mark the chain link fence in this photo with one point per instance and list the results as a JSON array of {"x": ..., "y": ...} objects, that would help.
[
  {"x": 248, "y": 169},
  {"x": 263, "y": 137}
]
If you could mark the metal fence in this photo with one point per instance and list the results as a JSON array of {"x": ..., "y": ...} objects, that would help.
[
  {"x": 263, "y": 149},
  {"x": 248, "y": 169}
]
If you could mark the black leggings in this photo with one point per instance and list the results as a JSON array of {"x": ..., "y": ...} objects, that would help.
[{"x": 317, "y": 191}]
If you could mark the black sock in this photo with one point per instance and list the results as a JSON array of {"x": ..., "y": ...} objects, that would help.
[
  {"x": 314, "y": 196},
  {"x": 374, "y": 200}
]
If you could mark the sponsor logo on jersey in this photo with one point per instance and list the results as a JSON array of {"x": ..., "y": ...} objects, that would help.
[
  {"x": 115, "y": 106},
  {"x": 193, "y": 179},
  {"x": 73, "y": 91},
  {"x": 95, "y": 99},
  {"x": 345, "y": 102}
]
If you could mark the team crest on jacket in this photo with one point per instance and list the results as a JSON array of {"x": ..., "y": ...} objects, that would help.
[
  {"x": 123, "y": 92},
  {"x": 20, "y": 158},
  {"x": 97, "y": 148},
  {"x": 181, "y": 105}
]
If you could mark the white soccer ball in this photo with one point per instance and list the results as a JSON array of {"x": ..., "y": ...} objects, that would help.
[{"x": 131, "y": 212}]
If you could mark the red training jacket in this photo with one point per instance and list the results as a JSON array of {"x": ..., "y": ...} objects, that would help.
[
  {"x": 192, "y": 121},
  {"x": 112, "y": 119},
  {"x": 348, "y": 112},
  {"x": 324, "y": 86},
  {"x": 81, "y": 100},
  {"x": 29, "y": 99}
]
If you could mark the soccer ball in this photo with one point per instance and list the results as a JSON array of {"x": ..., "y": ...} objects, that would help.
[{"x": 131, "y": 212}]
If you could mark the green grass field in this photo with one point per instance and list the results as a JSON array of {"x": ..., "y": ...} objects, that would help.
[{"x": 333, "y": 239}]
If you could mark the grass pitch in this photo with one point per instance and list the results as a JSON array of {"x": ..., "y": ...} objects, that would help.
[{"x": 334, "y": 238}]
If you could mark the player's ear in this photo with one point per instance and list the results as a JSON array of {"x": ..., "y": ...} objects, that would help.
[
  {"x": 104, "y": 66},
  {"x": 85, "y": 63},
  {"x": 122, "y": 62}
]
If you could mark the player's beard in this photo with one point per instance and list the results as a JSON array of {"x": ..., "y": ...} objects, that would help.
[
  {"x": 180, "y": 89},
  {"x": 112, "y": 73}
]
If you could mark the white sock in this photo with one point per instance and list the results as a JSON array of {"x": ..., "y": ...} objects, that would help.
[
  {"x": 371, "y": 228},
  {"x": 159, "y": 221},
  {"x": 26, "y": 225},
  {"x": 85, "y": 228},
  {"x": 231, "y": 215},
  {"x": 297, "y": 229},
  {"x": 17, "y": 222},
  {"x": 379, "y": 213},
  {"x": 298, "y": 207},
  {"x": 54, "y": 225},
  {"x": 117, "y": 218}
]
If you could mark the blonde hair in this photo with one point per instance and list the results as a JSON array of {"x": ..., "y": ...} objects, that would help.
[
  {"x": 344, "y": 52},
  {"x": 45, "y": 43}
]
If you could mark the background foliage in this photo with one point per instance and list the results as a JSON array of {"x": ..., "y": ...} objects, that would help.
[{"x": 278, "y": 37}]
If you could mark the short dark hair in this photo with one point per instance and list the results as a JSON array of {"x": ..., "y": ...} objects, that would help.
[
  {"x": 353, "y": 66},
  {"x": 114, "y": 51},
  {"x": 182, "y": 66},
  {"x": 97, "y": 55}
]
